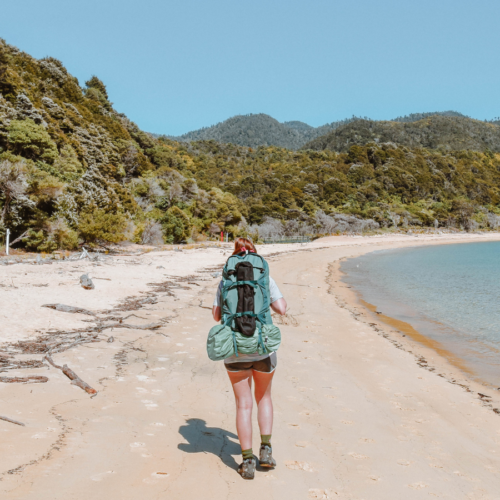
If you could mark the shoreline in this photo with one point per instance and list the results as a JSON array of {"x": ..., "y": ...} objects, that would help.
[
  {"x": 356, "y": 416},
  {"x": 406, "y": 329}
]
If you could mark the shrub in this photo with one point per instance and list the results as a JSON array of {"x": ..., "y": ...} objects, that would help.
[
  {"x": 176, "y": 225},
  {"x": 463, "y": 211},
  {"x": 96, "y": 90},
  {"x": 152, "y": 233},
  {"x": 39, "y": 241},
  {"x": 98, "y": 227},
  {"x": 30, "y": 140},
  {"x": 67, "y": 162},
  {"x": 96, "y": 83},
  {"x": 13, "y": 186},
  {"x": 64, "y": 237}
]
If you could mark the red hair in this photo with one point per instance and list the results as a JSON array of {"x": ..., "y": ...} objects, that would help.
[{"x": 242, "y": 244}]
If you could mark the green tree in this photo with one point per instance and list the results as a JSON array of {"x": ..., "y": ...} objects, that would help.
[
  {"x": 96, "y": 83},
  {"x": 100, "y": 226},
  {"x": 67, "y": 162},
  {"x": 176, "y": 225},
  {"x": 26, "y": 138}
]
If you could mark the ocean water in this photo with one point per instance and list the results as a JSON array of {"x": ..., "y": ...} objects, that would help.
[{"x": 449, "y": 293}]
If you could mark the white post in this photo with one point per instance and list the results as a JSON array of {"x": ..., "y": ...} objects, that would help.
[{"x": 7, "y": 242}]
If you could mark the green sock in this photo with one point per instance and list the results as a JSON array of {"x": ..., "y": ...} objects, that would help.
[
  {"x": 247, "y": 453},
  {"x": 265, "y": 439}
]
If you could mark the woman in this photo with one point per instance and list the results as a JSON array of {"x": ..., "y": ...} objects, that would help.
[{"x": 241, "y": 370}]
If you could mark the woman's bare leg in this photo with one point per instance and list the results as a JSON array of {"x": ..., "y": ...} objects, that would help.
[
  {"x": 263, "y": 382},
  {"x": 242, "y": 387}
]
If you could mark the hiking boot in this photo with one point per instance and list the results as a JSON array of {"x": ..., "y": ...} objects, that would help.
[
  {"x": 266, "y": 456},
  {"x": 247, "y": 469}
]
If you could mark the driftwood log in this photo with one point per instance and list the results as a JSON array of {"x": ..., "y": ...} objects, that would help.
[
  {"x": 69, "y": 309},
  {"x": 75, "y": 379},
  {"x": 19, "y": 238},
  {"x": 11, "y": 421},
  {"x": 150, "y": 326},
  {"x": 32, "y": 379}
]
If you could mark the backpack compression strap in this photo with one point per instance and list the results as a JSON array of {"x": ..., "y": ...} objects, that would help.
[{"x": 259, "y": 316}]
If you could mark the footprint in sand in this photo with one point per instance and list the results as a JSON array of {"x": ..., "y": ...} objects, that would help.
[
  {"x": 316, "y": 494},
  {"x": 357, "y": 456},
  {"x": 374, "y": 478},
  {"x": 366, "y": 440},
  {"x": 301, "y": 444},
  {"x": 102, "y": 475},
  {"x": 417, "y": 486},
  {"x": 294, "y": 426},
  {"x": 140, "y": 448},
  {"x": 294, "y": 465},
  {"x": 329, "y": 396},
  {"x": 436, "y": 466},
  {"x": 405, "y": 463},
  {"x": 150, "y": 405},
  {"x": 347, "y": 422}
]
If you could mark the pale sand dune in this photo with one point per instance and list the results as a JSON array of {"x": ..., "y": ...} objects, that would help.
[{"x": 356, "y": 417}]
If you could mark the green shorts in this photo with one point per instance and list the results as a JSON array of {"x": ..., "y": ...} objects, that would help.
[{"x": 266, "y": 365}]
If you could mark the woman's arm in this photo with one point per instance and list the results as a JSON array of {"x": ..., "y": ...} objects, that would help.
[
  {"x": 216, "y": 313},
  {"x": 278, "y": 306}
]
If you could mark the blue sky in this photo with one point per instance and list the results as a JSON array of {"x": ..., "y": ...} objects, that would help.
[{"x": 177, "y": 66}]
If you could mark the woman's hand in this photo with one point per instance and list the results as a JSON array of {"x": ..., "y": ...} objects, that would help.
[
  {"x": 216, "y": 313},
  {"x": 279, "y": 306}
]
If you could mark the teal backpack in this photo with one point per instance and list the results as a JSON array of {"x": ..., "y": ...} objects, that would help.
[{"x": 246, "y": 324}]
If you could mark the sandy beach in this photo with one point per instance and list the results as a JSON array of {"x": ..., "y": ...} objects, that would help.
[{"x": 364, "y": 409}]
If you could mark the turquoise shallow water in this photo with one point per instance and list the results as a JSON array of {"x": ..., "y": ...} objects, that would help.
[{"x": 450, "y": 293}]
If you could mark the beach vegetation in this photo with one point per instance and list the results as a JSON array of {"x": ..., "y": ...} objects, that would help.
[
  {"x": 73, "y": 170},
  {"x": 98, "y": 227}
]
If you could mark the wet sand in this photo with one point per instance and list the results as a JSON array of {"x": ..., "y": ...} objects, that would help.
[{"x": 361, "y": 411}]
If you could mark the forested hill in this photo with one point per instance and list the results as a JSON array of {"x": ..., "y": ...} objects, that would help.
[
  {"x": 446, "y": 133},
  {"x": 260, "y": 130},
  {"x": 75, "y": 171},
  {"x": 435, "y": 129},
  {"x": 250, "y": 130}
]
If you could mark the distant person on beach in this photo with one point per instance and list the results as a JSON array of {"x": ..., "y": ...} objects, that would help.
[{"x": 241, "y": 369}]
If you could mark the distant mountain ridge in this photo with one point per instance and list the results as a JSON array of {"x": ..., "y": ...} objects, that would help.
[
  {"x": 260, "y": 129},
  {"x": 256, "y": 130},
  {"x": 447, "y": 133}
]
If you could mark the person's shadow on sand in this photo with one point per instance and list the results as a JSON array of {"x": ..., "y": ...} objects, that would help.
[{"x": 203, "y": 439}]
